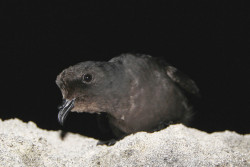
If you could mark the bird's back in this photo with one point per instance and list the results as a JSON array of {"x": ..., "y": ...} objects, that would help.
[{"x": 153, "y": 100}]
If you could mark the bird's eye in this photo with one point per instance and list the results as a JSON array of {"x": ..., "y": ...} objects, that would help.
[{"x": 87, "y": 78}]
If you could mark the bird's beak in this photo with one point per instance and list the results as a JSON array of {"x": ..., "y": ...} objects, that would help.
[{"x": 64, "y": 109}]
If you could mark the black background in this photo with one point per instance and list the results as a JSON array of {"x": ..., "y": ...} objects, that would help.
[{"x": 207, "y": 40}]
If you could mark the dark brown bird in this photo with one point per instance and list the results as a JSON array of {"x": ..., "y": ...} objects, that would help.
[{"x": 138, "y": 92}]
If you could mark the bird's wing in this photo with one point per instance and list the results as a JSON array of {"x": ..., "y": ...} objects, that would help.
[{"x": 182, "y": 80}]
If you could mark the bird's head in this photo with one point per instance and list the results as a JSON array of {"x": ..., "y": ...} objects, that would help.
[{"x": 87, "y": 87}]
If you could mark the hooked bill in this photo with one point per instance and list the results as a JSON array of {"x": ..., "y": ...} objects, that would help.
[{"x": 64, "y": 109}]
